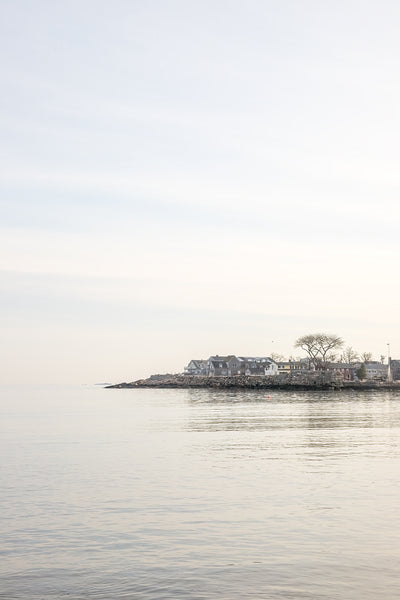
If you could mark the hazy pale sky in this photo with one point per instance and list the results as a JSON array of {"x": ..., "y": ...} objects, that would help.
[{"x": 182, "y": 178}]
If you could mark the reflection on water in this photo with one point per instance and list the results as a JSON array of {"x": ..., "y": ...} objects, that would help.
[
  {"x": 318, "y": 416},
  {"x": 204, "y": 494},
  {"x": 257, "y": 410}
]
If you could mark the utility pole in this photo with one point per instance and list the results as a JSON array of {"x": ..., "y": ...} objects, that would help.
[{"x": 389, "y": 373}]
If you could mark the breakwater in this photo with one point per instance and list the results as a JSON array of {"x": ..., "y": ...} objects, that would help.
[{"x": 309, "y": 382}]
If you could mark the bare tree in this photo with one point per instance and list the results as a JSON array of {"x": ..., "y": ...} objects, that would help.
[
  {"x": 320, "y": 348},
  {"x": 349, "y": 355},
  {"x": 277, "y": 357},
  {"x": 366, "y": 356}
]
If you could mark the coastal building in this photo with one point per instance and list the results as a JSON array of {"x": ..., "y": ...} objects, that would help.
[
  {"x": 395, "y": 369},
  {"x": 259, "y": 365},
  {"x": 292, "y": 366},
  {"x": 230, "y": 365},
  {"x": 376, "y": 371},
  {"x": 345, "y": 370},
  {"x": 218, "y": 366},
  {"x": 224, "y": 365},
  {"x": 197, "y": 367}
]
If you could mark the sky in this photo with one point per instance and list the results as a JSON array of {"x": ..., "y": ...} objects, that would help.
[{"x": 180, "y": 179}]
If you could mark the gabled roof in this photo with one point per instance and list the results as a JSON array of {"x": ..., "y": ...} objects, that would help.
[
  {"x": 376, "y": 365},
  {"x": 257, "y": 359},
  {"x": 225, "y": 358},
  {"x": 219, "y": 364}
]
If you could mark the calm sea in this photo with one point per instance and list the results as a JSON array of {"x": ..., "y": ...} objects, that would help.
[{"x": 196, "y": 494}]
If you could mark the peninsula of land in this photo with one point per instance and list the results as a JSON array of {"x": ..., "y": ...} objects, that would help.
[{"x": 321, "y": 369}]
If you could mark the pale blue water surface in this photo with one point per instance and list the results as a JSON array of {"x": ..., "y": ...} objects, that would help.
[{"x": 168, "y": 494}]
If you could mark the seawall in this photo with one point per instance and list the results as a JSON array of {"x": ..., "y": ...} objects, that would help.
[{"x": 317, "y": 381}]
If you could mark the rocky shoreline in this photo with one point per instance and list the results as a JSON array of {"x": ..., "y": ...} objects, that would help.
[{"x": 318, "y": 381}]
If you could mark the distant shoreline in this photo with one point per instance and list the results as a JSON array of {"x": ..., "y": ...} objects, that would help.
[{"x": 254, "y": 383}]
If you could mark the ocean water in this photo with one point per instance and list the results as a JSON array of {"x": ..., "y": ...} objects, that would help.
[{"x": 198, "y": 494}]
